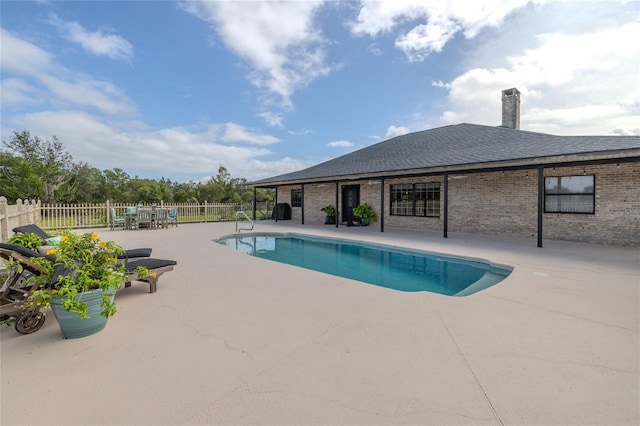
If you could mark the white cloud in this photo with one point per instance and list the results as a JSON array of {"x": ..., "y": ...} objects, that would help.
[
  {"x": 101, "y": 42},
  {"x": 39, "y": 71},
  {"x": 20, "y": 56},
  {"x": 393, "y": 131},
  {"x": 163, "y": 152},
  {"x": 375, "y": 49},
  {"x": 273, "y": 119},
  {"x": 340, "y": 144},
  {"x": 278, "y": 39},
  {"x": 435, "y": 22},
  {"x": 300, "y": 132},
  {"x": 583, "y": 83},
  {"x": 16, "y": 91},
  {"x": 236, "y": 133}
]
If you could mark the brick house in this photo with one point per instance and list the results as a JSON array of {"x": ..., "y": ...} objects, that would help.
[{"x": 479, "y": 179}]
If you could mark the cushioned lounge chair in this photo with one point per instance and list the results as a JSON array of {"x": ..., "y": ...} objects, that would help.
[
  {"x": 35, "y": 229},
  {"x": 156, "y": 267}
]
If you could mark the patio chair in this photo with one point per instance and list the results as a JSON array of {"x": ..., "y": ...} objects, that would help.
[
  {"x": 47, "y": 240},
  {"x": 130, "y": 215},
  {"x": 115, "y": 220},
  {"x": 144, "y": 218},
  {"x": 173, "y": 216},
  {"x": 161, "y": 217}
]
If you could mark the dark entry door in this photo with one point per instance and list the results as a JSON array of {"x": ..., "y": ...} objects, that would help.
[{"x": 350, "y": 199}]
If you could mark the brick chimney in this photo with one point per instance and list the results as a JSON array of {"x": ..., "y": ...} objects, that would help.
[{"x": 511, "y": 108}]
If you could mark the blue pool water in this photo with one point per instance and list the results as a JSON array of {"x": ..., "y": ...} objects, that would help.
[{"x": 385, "y": 266}]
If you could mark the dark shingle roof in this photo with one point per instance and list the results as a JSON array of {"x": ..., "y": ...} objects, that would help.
[{"x": 456, "y": 145}]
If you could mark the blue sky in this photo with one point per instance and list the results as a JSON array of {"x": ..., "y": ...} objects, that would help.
[{"x": 176, "y": 89}]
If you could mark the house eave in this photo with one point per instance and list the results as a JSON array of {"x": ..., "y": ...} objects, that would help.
[{"x": 602, "y": 157}]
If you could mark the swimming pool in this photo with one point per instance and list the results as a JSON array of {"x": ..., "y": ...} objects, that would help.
[{"x": 385, "y": 266}]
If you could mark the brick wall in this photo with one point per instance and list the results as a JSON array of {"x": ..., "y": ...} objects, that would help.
[
  {"x": 497, "y": 203},
  {"x": 504, "y": 204},
  {"x": 617, "y": 211}
]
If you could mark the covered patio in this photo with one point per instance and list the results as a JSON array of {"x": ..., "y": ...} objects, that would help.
[{"x": 231, "y": 339}]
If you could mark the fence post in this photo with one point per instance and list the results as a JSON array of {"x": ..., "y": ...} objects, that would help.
[
  {"x": 4, "y": 219},
  {"x": 205, "y": 212},
  {"x": 20, "y": 209},
  {"x": 107, "y": 208},
  {"x": 38, "y": 213},
  {"x": 29, "y": 208}
]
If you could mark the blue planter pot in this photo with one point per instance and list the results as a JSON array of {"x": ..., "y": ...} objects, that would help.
[{"x": 73, "y": 326}]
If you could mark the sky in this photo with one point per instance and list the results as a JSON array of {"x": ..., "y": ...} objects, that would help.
[{"x": 171, "y": 89}]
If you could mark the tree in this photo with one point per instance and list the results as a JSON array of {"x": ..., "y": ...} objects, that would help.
[
  {"x": 88, "y": 184},
  {"x": 18, "y": 179},
  {"x": 185, "y": 192},
  {"x": 116, "y": 185},
  {"x": 46, "y": 159}
]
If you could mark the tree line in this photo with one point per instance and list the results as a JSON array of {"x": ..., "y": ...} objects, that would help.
[{"x": 37, "y": 169}]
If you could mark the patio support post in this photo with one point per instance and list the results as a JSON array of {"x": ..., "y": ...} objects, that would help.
[
  {"x": 540, "y": 203},
  {"x": 254, "y": 203},
  {"x": 276, "y": 206},
  {"x": 381, "y": 204},
  {"x": 445, "y": 210},
  {"x": 302, "y": 207},
  {"x": 336, "y": 209}
]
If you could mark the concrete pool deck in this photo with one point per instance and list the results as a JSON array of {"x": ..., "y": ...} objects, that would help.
[{"x": 232, "y": 339}]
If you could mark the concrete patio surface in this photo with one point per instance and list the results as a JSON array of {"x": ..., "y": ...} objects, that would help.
[{"x": 231, "y": 339}]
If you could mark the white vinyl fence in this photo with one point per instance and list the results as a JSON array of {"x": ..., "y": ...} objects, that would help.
[{"x": 78, "y": 216}]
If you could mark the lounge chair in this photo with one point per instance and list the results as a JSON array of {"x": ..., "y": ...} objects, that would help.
[
  {"x": 17, "y": 288},
  {"x": 47, "y": 239},
  {"x": 156, "y": 268}
]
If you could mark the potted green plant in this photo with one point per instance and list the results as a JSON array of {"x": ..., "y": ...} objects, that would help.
[
  {"x": 28, "y": 240},
  {"x": 365, "y": 214},
  {"x": 84, "y": 275},
  {"x": 330, "y": 212}
]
